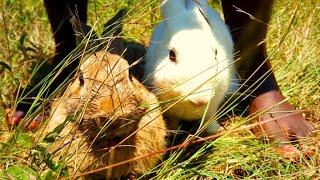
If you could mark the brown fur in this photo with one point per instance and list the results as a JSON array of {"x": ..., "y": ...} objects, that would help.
[{"x": 108, "y": 107}]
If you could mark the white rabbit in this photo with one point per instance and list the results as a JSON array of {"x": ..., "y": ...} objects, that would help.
[{"x": 190, "y": 58}]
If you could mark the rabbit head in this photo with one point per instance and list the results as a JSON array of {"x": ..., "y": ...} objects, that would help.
[
  {"x": 119, "y": 119},
  {"x": 105, "y": 94},
  {"x": 103, "y": 88},
  {"x": 189, "y": 57}
]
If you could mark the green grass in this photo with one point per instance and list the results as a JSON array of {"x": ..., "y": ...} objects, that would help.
[{"x": 294, "y": 50}]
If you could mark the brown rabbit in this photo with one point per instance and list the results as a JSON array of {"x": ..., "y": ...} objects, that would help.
[{"x": 115, "y": 118}]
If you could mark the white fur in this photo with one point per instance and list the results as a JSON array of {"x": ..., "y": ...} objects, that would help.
[{"x": 195, "y": 31}]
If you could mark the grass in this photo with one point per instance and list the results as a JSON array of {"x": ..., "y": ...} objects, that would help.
[{"x": 294, "y": 51}]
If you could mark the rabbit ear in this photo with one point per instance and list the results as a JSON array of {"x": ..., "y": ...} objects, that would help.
[
  {"x": 112, "y": 31},
  {"x": 170, "y": 8},
  {"x": 114, "y": 26},
  {"x": 83, "y": 31},
  {"x": 189, "y": 4},
  {"x": 192, "y": 3}
]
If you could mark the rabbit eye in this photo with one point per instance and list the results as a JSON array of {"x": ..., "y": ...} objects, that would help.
[
  {"x": 81, "y": 79},
  {"x": 172, "y": 56}
]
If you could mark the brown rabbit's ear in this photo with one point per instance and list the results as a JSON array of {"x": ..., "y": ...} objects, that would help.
[
  {"x": 112, "y": 32},
  {"x": 114, "y": 26},
  {"x": 83, "y": 31}
]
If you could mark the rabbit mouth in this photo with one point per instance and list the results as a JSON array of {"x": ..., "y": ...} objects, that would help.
[
  {"x": 110, "y": 134},
  {"x": 186, "y": 107},
  {"x": 197, "y": 98},
  {"x": 105, "y": 128},
  {"x": 199, "y": 102}
]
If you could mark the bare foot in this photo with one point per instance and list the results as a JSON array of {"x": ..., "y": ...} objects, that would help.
[
  {"x": 280, "y": 122},
  {"x": 13, "y": 120}
]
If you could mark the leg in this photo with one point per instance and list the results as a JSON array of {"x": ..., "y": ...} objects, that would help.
[
  {"x": 254, "y": 66},
  {"x": 58, "y": 13},
  {"x": 248, "y": 36}
]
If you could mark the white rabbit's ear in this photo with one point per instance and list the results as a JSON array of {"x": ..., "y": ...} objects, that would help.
[
  {"x": 190, "y": 4},
  {"x": 171, "y": 8}
]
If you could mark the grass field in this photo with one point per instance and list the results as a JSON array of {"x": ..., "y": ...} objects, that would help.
[{"x": 293, "y": 45}]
